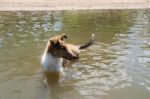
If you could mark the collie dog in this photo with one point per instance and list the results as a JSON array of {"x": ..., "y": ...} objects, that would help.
[{"x": 57, "y": 54}]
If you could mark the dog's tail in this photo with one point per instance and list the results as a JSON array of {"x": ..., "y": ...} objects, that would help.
[{"x": 89, "y": 43}]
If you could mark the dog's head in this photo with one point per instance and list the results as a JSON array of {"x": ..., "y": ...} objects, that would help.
[{"x": 59, "y": 48}]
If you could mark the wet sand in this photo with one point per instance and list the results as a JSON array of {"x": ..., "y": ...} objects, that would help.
[{"x": 6, "y": 5}]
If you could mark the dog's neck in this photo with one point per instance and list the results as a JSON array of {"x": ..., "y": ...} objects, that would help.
[{"x": 51, "y": 63}]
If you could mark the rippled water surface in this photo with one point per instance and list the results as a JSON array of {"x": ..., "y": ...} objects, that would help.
[{"x": 117, "y": 66}]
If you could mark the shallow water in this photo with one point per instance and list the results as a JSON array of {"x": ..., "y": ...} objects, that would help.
[{"x": 117, "y": 66}]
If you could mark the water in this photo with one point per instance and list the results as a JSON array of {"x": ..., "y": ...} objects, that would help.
[{"x": 117, "y": 66}]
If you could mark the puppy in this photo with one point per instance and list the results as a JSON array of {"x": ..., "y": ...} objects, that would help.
[{"x": 57, "y": 54}]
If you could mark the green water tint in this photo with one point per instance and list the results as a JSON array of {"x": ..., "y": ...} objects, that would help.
[{"x": 116, "y": 66}]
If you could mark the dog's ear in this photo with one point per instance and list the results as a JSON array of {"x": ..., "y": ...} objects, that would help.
[
  {"x": 55, "y": 44},
  {"x": 64, "y": 36},
  {"x": 51, "y": 43}
]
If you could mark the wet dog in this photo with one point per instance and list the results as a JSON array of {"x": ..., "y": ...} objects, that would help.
[{"x": 59, "y": 54}]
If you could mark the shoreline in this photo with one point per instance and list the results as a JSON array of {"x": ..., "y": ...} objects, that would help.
[{"x": 30, "y": 6}]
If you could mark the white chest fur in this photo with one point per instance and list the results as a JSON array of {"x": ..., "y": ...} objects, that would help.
[{"x": 51, "y": 64}]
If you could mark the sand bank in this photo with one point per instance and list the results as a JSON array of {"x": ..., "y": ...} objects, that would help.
[{"x": 6, "y": 5}]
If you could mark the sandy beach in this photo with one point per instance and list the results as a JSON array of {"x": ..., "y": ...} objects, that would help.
[{"x": 6, "y": 5}]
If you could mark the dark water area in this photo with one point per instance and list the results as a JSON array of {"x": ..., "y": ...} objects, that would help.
[{"x": 117, "y": 66}]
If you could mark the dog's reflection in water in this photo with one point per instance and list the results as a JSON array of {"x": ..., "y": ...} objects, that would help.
[
  {"x": 52, "y": 78},
  {"x": 61, "y": 91},
  {"x": 59, "y": 85}
]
